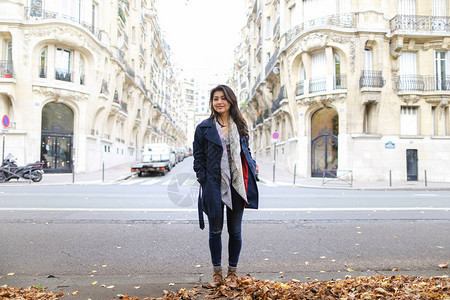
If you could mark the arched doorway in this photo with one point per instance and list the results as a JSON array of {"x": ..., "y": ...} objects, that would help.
[
  {"x": 324, "y": 145},
  {"x": 57, "y": 135}
]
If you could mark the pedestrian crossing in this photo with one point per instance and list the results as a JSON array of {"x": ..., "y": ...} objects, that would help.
[{"x": 168, "y": 181}]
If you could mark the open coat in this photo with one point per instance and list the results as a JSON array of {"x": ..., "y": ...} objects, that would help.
[{"x": 207, "y": 157}]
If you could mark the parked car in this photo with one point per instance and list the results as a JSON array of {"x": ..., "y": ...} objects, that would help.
[
  {"x": 155, "y": 158},
  {"x": 257, "y": 171}
]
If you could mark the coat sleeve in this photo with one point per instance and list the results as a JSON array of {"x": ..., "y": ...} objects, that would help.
[{"x": 199, "y": 155}]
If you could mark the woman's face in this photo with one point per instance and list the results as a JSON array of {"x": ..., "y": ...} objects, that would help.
[{"x": 220, "y": 103}]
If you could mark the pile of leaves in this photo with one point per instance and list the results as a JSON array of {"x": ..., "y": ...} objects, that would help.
[
  {"x": 31, "y": 292},
  {"x": 374, "y": 287}
]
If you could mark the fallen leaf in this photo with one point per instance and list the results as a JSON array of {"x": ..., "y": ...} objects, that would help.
[
  {"x": 94, "y": 283},
  {"x": 109, "y": 286},
  {"x": 350, "y": 270},
  {"x": 10, "y": 274},
  {"x": 137, "y": 287},
  {"x": 394, "y": 269},
  {"x": 444, "y": 266},
  {"x": 75, "y": 293},
  {"x": 104, "y": 266},
  {"x": 171, "y": 284}
]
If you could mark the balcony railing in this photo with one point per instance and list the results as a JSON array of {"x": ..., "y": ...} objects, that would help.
[
  {"x": 257, "y": 82},
  {"x": 300, "y": 88},
  {"x": 420, "y": 23},
  {"x": 104, "y": 87},
  {"x": 124, "y": 107},
  {"x": 36, "y": 13},
  {"x": 259, "y": 118},
  {"x": 6, "y": 69},
  {"x": 318, "y": 84},
  {"x": 371, "y": 79},
  {"x": 276, "y": 27},
  {"x": 339, "y": 82},
  {"x": 64, "y": 75},
  {"x": 421, "y": 83},
  {"x": 244, "y": 85},
  {"x": 272, "y": 61},
  {"x": 347, "y": 20},
  {"x": 277, "y": 103}
]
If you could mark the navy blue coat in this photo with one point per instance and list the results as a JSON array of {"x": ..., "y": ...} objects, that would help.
[{"x": 207, "y": 157}]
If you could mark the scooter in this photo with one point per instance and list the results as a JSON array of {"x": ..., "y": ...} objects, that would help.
[{"x": 9, "y": 170}]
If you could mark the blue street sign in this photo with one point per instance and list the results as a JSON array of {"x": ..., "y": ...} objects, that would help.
[{"x": 5, "y": 121}]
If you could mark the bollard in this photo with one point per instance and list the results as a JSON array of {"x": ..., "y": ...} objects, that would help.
[
  {"x": 426, "y": 183},
  {"x": 295, "y": 172},
  {"x": 390, "y": 178},
  {"x": 103, "y": 171}
]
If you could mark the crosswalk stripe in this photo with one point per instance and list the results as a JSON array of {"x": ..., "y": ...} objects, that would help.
[
  {"x": 170, "y": 182},
  {"x": 190, "y": 182},
  {"x": 131, "y": 182},
  {"x": 151, "y": 181}
]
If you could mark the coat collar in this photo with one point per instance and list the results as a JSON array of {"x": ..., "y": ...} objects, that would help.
[{"x": 211, "y": 133}]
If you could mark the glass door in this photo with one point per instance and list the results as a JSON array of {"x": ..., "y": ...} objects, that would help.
[{"x": 56, "y": 153}]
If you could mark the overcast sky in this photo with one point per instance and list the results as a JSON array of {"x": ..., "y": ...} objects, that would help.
[{"x": 202, "y": 34}]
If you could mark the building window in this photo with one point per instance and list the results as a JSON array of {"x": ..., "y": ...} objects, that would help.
[
  {"x": 368, "y": 58},
  {"x": 408, "y": 120},
  {"x": 409, "y": 80},
  {"x": 43, "y": 63},
  {"x": 433, "y": 121},
  {"x": 82, "y": 71},
  {"x": 407, "y": 7},
  {"x": 62, "y": 65},
  {"x": 337, "y": 72},
  {"x": 318, "y": 80},
  {"x": 268, "y": 28},
  {"x": 294, "y": 20},
  {"x": 441, "y": 60},
  {"x": 368, "y": 112}
]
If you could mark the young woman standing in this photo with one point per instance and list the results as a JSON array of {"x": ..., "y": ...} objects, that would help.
[{"x": 226, "y": 173}]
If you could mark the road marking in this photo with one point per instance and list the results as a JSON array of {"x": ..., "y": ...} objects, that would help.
[
  {"x": 190, "y": 182},
  {"x": 425, "y": 195},
  {"x": 274, "y": 209},
  {"x": 170, "y": 182},
  {"x": 132, "y": 182},
  {"x": 151, "y": 181}
]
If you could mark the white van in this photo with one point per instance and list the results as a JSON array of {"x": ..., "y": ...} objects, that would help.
[{"x": 155, "y": 158}]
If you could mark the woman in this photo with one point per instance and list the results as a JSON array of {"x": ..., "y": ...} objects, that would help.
[{"x": 226, "y": 173}]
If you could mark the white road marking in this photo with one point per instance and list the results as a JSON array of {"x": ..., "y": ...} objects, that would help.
[
  {"x": 274, "y": 209},
  {"x": 132, "y": 182},
  {"x": 425, "y": 195},
  {"x": 190, "y": 182},
  {"x": 169, "y": 182},
  {"x": 151, "y": 181}
]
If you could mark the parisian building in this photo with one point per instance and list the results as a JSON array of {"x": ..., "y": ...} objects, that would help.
[
  {"x": 356, "y": 87},
  {"x": 87, "y": 82}
]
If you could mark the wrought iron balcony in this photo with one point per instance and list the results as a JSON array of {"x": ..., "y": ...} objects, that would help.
[
  {"x": 257, "y": 82},
  {"x": 64, "y": 75},
  {"x": 318, "y": 84},
  {"x": 104, "y": 87},
  {"x": 124, "y": 107},
  {"x": 276, "y": 27},
  {"x": 371, "y": 79},
  {"x": 339, "y": 82},
  {"x": 277, "y": 103},
  {"x": 6, "y": 69},
  {"x": 347, "y": 20},
  {"x": 37, "y": 13},
  {"x": 419, "y": 83},
  {"x": 415, "y": 23},
  {"x": 272, "y": 62},
  {"x": 300, "y": 88}
]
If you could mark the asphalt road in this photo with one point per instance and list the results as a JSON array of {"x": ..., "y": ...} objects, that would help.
[{"x": 143, "y": 232}]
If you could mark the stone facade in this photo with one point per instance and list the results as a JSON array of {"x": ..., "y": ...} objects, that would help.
[
  {"x": 349, "y": 85},
  {"x": 102, "y": 68}
]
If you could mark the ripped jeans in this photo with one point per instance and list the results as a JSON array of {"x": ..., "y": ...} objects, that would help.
[{"x": 234, "y": 222}]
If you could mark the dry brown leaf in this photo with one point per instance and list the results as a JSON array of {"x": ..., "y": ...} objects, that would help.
[{"x": 444, "y": 266}]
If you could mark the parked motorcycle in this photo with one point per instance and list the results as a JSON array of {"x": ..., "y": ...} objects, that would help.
[{"x": 9, "y": 170}]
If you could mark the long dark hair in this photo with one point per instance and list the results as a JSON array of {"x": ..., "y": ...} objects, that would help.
[{"x": 235, "y": 113}]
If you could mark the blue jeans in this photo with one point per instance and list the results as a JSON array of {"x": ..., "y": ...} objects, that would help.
[{"x": 234, "y": 222}]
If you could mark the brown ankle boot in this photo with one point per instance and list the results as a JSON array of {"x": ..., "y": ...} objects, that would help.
[
  {"x": 231, "y": 278},
  {"x": 217, "y": 279}
]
